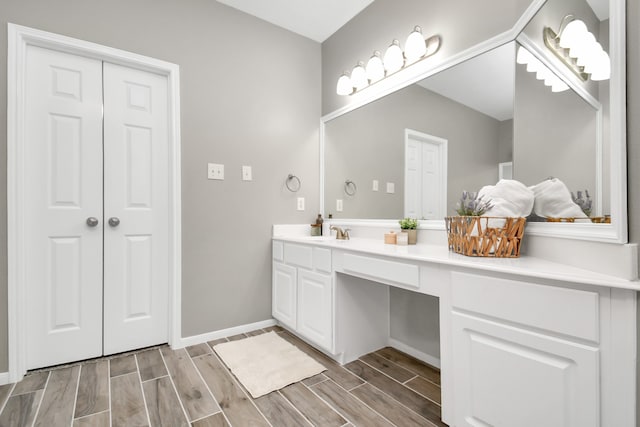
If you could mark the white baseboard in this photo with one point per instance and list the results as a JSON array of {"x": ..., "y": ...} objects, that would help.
[
  {"x": 420, "y": 355},
  {"x": 210, "y": 336},
  {"x": 4, "y": 378}
]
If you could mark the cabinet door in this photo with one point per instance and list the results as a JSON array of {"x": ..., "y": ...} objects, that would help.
[
  {"x": 505, "y": 376},
  {"x": 284, "y": 295},
  {"x": 314, "y": 308}
]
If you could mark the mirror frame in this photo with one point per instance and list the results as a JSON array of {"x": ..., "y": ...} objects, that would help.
[{"x": 616, "y": 232}]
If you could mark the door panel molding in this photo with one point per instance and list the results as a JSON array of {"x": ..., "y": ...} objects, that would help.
[{"x": 19, "y": 38}]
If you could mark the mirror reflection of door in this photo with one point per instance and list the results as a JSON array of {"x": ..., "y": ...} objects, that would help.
[
  {"x": 505, "y": 170},
  {"x": 425, "y": 195}
]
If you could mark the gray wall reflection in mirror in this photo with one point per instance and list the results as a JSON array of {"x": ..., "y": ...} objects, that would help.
[{"x": 489, "y": 111}]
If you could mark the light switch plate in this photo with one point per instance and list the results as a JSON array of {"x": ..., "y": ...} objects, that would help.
[
  {"x": 300, "y": 203},
  {"x": 339, "y": 205},
  {"x": 215, "y": 171},
  {"x": 246, "y": 173},
  {"x": 391, "y": 187},
  {"x": 374, "y": 187}
]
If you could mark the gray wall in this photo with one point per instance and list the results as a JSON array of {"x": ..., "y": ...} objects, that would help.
[
  {"x": 412, "y": 311},
  {"x": 368, "y": 143},
  {"x": 505, "y": 141},
  {"x": 461, "y": 23},
  {"x": 250, "y": 96}
]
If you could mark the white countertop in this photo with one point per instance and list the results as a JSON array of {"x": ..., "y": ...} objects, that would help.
[{"x": 524, "y": 266}]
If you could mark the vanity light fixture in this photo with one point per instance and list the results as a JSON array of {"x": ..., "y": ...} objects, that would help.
[
  {"x": 394, "y": 60},
  {"x": 534, "y": 65},
  {"x": 578, "y": 49}
]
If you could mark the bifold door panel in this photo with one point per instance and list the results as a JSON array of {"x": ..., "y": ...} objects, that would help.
[{"x": 71, "y": 219}]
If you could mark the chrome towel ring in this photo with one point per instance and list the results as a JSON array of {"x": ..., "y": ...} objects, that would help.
[
  {"x": 350, "y": 188},
  {"x": 293, "y": 183}
]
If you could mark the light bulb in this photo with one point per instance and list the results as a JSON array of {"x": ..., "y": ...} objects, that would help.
[
  {"x": 559, "y": 86},
  {"x": 583, "y": 46},
  {"x": 602, "y": 71},
  {"x": 393, "y": 59},
  {"x": 523, "y": 56},
  {"x": 359, "y": 76},
  {"x": 572, "y": 34},
  {"x": 415, "y": 47},
  {"x": 543, "y": 73},
  {"x": 344, "y": 87},
  {"x": 375, "y": 68}
]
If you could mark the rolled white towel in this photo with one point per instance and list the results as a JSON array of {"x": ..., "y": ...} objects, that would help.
[
  {"x": 553, "y": 200},
  {"x": 508, "y": 198}
]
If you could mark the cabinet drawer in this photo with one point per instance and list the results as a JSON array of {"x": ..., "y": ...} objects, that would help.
[
  {"x": 382, "y": 269},
  {"x": 277, "y": 249},
  {"x": 569, "y": 312},
  {"x": 322, "y": 259},
  {"x": 298, "y": 255}
]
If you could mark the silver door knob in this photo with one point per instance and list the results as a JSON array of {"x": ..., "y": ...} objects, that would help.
[
  {"x": 92, "y": 221},
  {"x": 114, "y": 221}
]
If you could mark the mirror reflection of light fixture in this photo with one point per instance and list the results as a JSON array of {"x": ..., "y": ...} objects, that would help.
[
  {"x": 542, "y": 72},
  {"x": 394, "y": 60},
  {"x": 578, "y": 49}
]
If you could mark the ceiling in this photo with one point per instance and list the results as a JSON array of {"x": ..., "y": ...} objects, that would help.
[
  {"x": 485, "y": 83},
  {"x": 319, "y": 19},
  {"x": 314, "y": 19}
]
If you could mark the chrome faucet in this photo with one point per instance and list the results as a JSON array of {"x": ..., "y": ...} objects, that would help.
[{"x": 340, "y": 233}]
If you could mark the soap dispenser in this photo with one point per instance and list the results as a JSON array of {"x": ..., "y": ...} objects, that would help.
[{"x": 319, "y": 222}]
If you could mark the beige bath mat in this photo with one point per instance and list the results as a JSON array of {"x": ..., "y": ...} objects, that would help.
[{"x": 265, "y": 363}]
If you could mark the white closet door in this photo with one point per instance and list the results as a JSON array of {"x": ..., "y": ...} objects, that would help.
[
  {"x": 63, "y": 188},
  {"x": 136, "y": 182}
]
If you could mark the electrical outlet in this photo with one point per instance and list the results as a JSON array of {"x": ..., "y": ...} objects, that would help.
[
  {"x": 391, "y": 187},
  {"x": 300, "y": 203},
  {"x": 375, "y": 185},
  {"x": 246, "y": 173},
  {"x": 215, "y": 171},
  {"x": 339, "y": 205}
]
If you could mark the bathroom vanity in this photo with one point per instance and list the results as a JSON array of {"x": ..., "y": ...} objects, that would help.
[
  {"x": 548, "y": 339},
  {"x": 522, "y": 341}
]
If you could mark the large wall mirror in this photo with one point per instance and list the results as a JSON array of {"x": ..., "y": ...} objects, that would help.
[{"x": 412, "y": 152}]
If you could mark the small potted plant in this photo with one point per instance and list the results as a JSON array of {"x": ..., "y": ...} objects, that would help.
[{"x": 409, "y": 226}]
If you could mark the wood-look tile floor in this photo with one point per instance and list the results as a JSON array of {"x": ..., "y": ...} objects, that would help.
[{"x": 192, "y": 387}]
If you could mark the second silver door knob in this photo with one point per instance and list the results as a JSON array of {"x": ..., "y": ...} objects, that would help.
[{"x": 114, "y": 221}]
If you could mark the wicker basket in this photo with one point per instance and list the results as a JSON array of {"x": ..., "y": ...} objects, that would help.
[{"x": 485, "y": 236}]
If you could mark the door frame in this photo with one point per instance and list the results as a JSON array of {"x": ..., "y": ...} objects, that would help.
[{"x": 20, "y": 38}]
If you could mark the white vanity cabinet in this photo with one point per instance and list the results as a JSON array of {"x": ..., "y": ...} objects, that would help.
[
  {"x": 302, "y": 298},
  {"x": 523, "y": 342},
  {"x": 526, "y": 354}
]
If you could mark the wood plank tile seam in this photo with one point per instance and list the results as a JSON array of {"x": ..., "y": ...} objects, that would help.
[
  {"x": 35, "y": 415},
  {"x": 144, "y": 398},
  {"x": 164, "y": 362}
]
